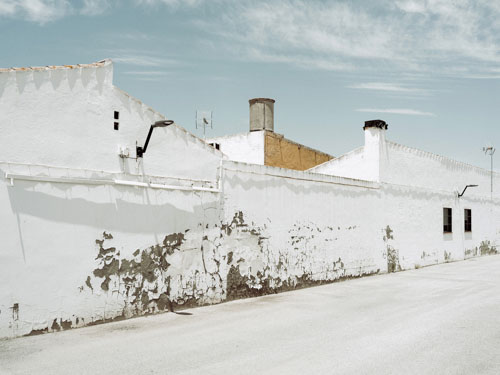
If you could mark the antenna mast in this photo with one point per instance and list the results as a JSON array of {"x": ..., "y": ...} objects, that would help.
[{"x": 204, "y": 120}]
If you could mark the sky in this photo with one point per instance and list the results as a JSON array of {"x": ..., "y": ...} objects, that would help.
[{"x": 430, "y": 68}]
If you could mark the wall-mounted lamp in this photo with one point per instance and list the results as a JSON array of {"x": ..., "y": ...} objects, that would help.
[
  {"x": 140, "y": 151},
  {"x": 467, "y": 186}
]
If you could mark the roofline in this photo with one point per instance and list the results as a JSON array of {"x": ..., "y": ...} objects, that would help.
[
  {"x": 212, "y": 139},
  {"x": 55, "y": 67},
  {"x": 337, "y": 159},
  {"x": 428, "y": 153}
]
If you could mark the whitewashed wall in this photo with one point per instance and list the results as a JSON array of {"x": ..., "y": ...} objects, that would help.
[
  {"x": 49, "y": 254},
  {"x": 365, "y": 163},
  {"x": 415, "y": 218},
  {"x": 77, "y": 254},
  {"x": 350, "y": 165},
  {"x": 67, "y": 185},
  {"x": 245, "y": 148},
  {"x": 389, "y": 162},
  {"x": 408, "y": 166},
  {"x": 64, "y": 116},
  {"x": 88, "y": 237}
]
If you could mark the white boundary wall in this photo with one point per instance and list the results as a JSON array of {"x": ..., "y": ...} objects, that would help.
[{"x": 93, "y": 237}]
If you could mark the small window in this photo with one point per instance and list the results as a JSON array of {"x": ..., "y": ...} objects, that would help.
[
  {"x": 468, "y": 220},
  {"x": 215, "y": 145},
  {"x": 116, "y": 126},
  {"x": 117, "y": 115},
  {"x": 447, "y": 228}
]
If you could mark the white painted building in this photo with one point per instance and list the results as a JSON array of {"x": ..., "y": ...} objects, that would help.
[{"x": 90, "y": 233}]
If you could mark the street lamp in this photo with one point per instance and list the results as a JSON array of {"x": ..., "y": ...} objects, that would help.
[
  {"x": 490, "y": 151},
  {"x": 465, "y": 188},
  {"x": 140, "y": 151}
]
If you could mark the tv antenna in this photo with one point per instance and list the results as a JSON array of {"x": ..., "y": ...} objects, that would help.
[{"x": 204, "y": 120}]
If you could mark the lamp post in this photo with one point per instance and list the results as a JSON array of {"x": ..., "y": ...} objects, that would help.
[
  {"x": 467, "y": 186},
  {"x": 490, "y": 151},
  {"x": 140, "y": 151}
]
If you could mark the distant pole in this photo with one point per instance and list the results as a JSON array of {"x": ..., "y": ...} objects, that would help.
[{"x": 490, "y": 151}]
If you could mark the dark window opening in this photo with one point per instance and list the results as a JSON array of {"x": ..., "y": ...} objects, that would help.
[
  {"x": 468, "y": 220},
  {"x": 447, "y": 228},
  {"x": 215, "y": 145},
  {"x": 116, "y": 126},
  {"x": 117, "y": 115}
]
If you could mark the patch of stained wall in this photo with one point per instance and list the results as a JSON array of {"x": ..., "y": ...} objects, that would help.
[
  {"x": 485, "y": 248},
  {"x": 214, "y": 263},
  {"x": 392, "y": 254}
]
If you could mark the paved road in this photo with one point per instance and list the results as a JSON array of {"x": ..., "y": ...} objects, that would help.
[{"x": 437, "y": 320}]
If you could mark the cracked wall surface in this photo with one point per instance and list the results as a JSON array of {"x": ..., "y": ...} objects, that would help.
[{"x": 77, "y": 255}]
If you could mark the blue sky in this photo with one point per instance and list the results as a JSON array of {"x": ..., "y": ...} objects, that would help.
[{"x": 431, "y": 69}]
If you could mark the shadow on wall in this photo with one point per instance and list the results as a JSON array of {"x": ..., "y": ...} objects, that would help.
[
  {"x": 298, "y": 187},
  {"x": 115, "y": 214}
]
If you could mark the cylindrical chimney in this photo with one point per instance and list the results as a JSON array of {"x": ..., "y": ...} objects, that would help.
[{"x": 261, "y": 114}]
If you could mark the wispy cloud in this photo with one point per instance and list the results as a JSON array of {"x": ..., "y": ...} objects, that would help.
[
  {"x": 399, "y": 111},
  {"x": 147, "y": 73},
  {"x": 304, "y": 61},
  {"x": 143, "y": 60},
  {"x": 40, "y": 11},
  {"x": 175, "y": 3},
  {"x": 94, "y": 7},
  {"x": 438, "y": 37},
  {"x": 44, "y": 11},
  {"x": 431, "y": 36},
  {"x": 383, "y": 86}
]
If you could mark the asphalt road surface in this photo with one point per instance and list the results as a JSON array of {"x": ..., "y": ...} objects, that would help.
[{"x": 443, "y": 319}]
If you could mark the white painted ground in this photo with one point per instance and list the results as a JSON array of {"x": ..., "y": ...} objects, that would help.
[{"x": 437, "y": 320}]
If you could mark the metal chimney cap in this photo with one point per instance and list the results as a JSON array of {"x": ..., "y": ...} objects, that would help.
[
  {"x": 381, "y": 124},
  {"x": 257, "y": 100}
]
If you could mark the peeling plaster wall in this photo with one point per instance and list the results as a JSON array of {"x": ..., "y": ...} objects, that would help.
[
  {"x": 74, "y": 254},
  {"x": 80, "y": 246},
  {"x": 56, "y": 259},
  {"x": 320, "y": 228}
]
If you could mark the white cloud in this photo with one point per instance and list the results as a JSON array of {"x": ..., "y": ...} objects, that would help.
[
  {"x": 142, "y": 60},
  {"x": 304, "y": 61},
  {"x": 444, "y": 37},
  {"x": 7, "y": 8},
  {"x": 94, "y": 7},
  {"x": 433, "y": 36},
  {"x": 147, "y": 73},
  {"x": 40, "y": 11},
  {"x": 382, "y": 86},
  {"x": 174, "y": 3},
  {"x": 399, "y": 111},
  {"x": 43, "y": 11}
]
